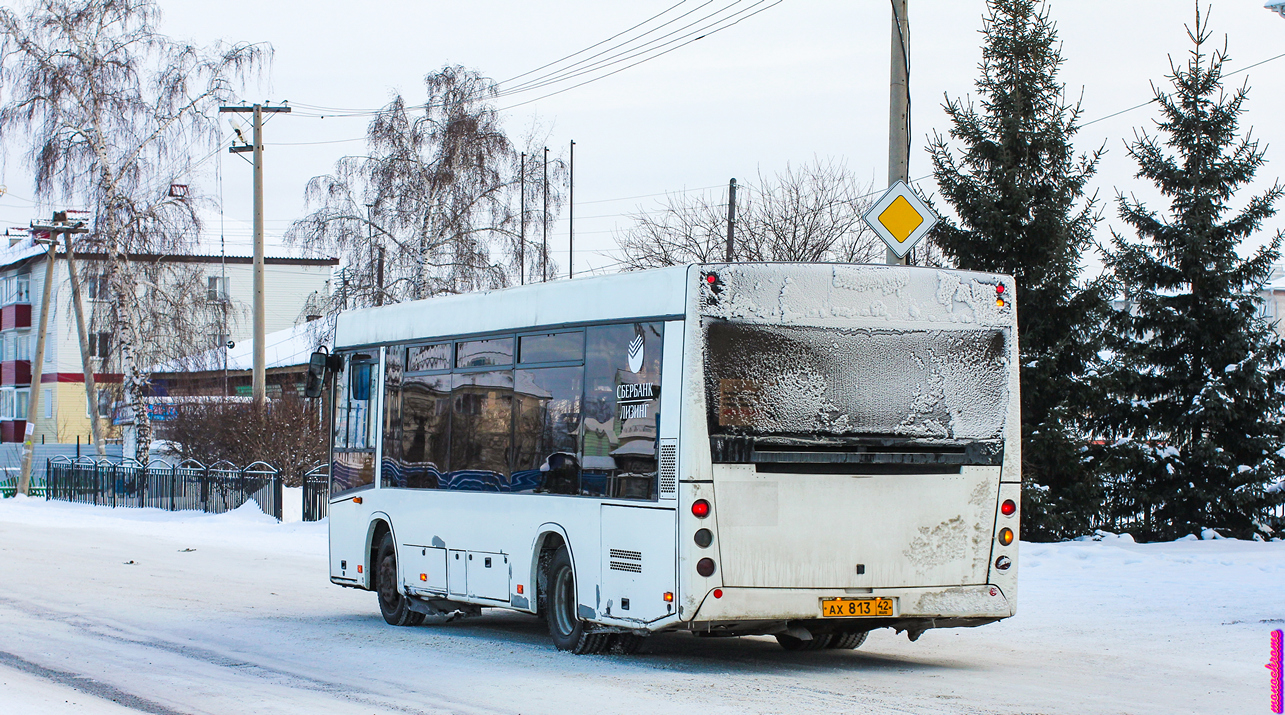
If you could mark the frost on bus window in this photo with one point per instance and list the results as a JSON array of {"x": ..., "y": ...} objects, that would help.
[
  {"x": 547, "y": 429},
  {"x": 621, "y": 410},
  {"x": 800, "y": 381}
]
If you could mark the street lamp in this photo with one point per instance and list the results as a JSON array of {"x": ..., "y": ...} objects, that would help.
[{"x": 1276, "y": 6}]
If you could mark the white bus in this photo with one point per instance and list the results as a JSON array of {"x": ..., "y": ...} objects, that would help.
[{"x": 808, "y": 451}]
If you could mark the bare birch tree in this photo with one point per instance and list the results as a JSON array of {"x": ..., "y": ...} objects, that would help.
[
  {"x": 115, "y": 113},
  {"x": 433, "y": 208},
  {"x": 810, "y": 213}
]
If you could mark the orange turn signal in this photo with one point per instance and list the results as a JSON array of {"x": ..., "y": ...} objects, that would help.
[
  {"x": 1005, "y": 537},
  {"x": 358, "y": 568},
  {"x": 669, "y": 597},
  {"x": 356, "y": 500},
  {"x": 519, "y": 589},
  {"x": 423, "y": 577}
]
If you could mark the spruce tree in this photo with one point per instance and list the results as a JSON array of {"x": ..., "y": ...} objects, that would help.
[
  {"x": 1194, "y": 421},
  {"x": 1018, "y": 192}
]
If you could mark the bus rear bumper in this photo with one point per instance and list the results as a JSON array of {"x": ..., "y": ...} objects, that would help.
[{"x": 789, "y": 604}]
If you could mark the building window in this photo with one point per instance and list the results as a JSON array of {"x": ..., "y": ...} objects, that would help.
[
  {"x": 217, "y": 289},
  {"x": 48, "y": 399},
  {"x": 6, "y": 404},
  {"x": 100, "y": 345},
  {"x": 22, "y": 289},
  {"x": 49, "y": 343},
  {"x": 97, "y": 287},
  {"x": 21, "y": 399}
]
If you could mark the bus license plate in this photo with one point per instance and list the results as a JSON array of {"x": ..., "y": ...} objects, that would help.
[{"x": 854, "y": 607}]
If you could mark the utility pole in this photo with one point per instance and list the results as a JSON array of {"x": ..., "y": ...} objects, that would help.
[
  {"x": 86, "y": 360},
  {"x": 59, "y": 225},
  {"x": 544, "y": 250},
  {"x": 522, "y": 224},
  {"x": 259, "y": 383},
  {"x": 899, "y": 105},
  {"x": 571, "y": 205},
  {"x": 731, "y": 218}
]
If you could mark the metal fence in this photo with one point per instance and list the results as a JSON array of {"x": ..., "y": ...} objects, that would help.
[
  {"x": 316, "y": 493},
  {"x": 215, "y": 488}
]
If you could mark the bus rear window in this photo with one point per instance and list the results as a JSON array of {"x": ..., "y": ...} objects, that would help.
[{"x": 805, "y": 381}]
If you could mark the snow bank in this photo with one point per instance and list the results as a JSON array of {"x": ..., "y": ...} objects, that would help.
[{"x": 245, "y": 527}]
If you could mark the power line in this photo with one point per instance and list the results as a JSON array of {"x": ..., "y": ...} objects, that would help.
[{"x": 573, "y": 71}]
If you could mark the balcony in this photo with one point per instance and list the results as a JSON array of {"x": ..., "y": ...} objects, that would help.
[
  {"x": 16, "y": 315},
  {"x": 15, "y": 372}
]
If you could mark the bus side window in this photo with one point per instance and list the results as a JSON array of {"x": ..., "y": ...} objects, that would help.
[
  {"x": 621, "y": 410},
  {"x": 547, "y": 429},
  {"x": 425, "y": 430},
  {"x": 391, "y": 472},
  {"x": 481, "y": 430}
]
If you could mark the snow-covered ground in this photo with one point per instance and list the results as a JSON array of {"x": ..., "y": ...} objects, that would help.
[{"x": 129, "y": 610}]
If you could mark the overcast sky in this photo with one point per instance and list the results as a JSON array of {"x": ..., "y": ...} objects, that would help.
[{"x": 802, "y": 79}]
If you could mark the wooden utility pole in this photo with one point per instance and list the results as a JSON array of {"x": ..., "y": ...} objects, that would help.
[
  {"x": 899, "y": 105},
  {"x": 259, "y": 380},
  {"x": 522, "y": 223},
  {"x": 59, "y": 225},
  {"x": 571, "y": 205},
  {"x": 731, "y": 219},
  {"x": 86, "y": 360},
  {"x": 544, "y": 249}
]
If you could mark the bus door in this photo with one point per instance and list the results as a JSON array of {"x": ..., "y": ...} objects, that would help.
[
  {"x": 352, "y": 466},
  {"x": 638, "y": 562}
]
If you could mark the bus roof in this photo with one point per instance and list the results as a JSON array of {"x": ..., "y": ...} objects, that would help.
[{"x": 656, "y": 293}]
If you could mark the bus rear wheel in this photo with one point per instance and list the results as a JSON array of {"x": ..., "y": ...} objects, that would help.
[
  {"x": 819, "y": 641},
  {"x": 565, "y": 627},
  {"x": 392, "y": 604},
  {"x": 849, "y": 640}
]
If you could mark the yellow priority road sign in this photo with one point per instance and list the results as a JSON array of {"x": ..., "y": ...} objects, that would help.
[{"x": 900, "y": 218}]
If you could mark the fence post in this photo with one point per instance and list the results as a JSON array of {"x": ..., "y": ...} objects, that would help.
[
  {"x": 277, "y": 496},
  {"x": 173, "y": 485}
]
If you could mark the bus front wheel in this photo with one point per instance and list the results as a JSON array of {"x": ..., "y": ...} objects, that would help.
[
  {"x": 392, "y": 604},
  {"x": 565, "y": 627}
]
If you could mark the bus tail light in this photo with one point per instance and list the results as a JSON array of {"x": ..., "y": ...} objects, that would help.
[
  {"x": 703, "y": 538},
  {"x": 1008, "y": 508},
  {"x": 358, "y": 568},
  {"x": 700, "y": 508},
  {"x": 718, "y": 593},
  {"x": 1005, "y": 536},
  {"x": 705, "y": 567},
  {"x": 1003, "y": 563}
]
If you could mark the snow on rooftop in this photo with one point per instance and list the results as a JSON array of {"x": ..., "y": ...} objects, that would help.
[{"x": 285, "y": 348}]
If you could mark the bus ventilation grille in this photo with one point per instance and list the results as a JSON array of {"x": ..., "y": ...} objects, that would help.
[
  {"x": 668, "y": 468},
  {"x": 624, "y": 560}
]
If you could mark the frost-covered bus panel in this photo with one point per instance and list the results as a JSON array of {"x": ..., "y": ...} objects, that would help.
[
  {"x": 855, "y": 431},
  {"x": 802, "y": 450}
]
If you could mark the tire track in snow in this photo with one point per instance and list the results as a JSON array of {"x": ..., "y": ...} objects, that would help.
[
  {"x": 87, "y": 685},
  {"x": 354, "y": 694}
]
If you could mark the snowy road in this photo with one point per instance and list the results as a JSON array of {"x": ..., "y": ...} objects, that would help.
[{"x": 141, "y": 611}]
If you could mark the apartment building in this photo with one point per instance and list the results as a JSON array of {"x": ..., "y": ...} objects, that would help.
[{"x": 218, "y": 294}]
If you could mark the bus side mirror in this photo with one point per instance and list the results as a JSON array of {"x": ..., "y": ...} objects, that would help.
[{"x": 315, "y": 383}]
